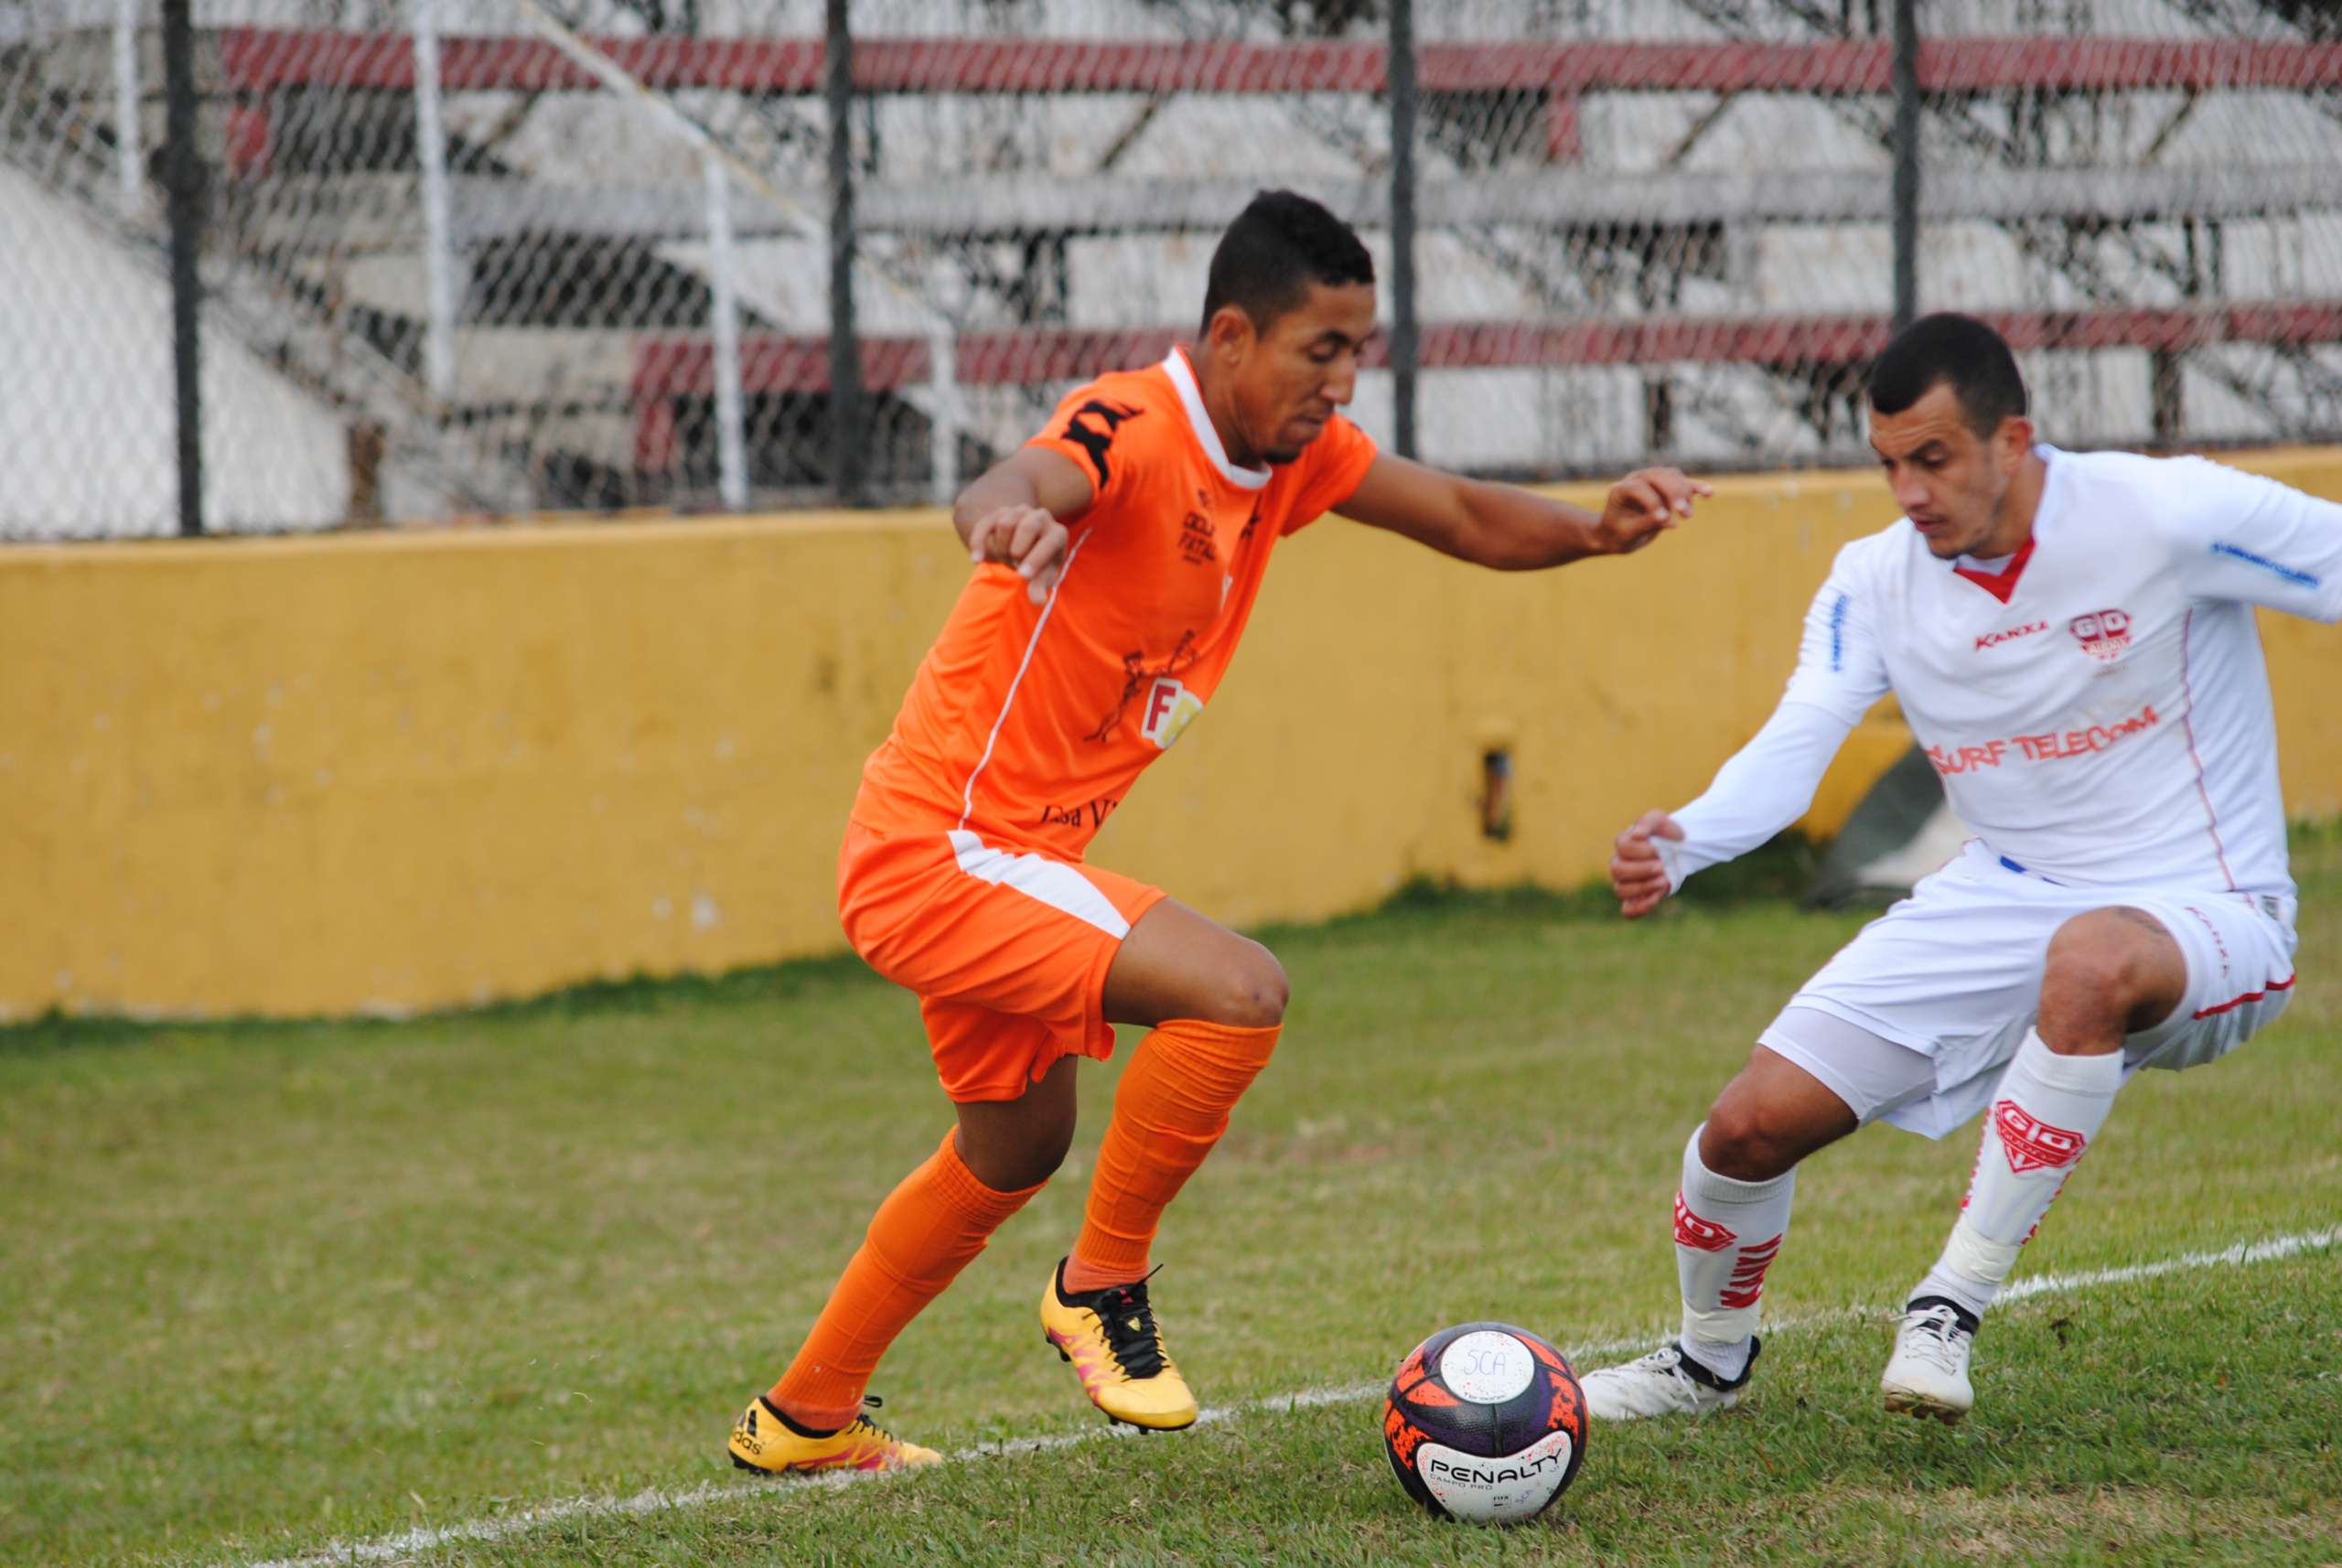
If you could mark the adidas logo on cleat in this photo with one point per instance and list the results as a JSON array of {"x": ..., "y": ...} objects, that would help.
[{"x": 782, "y": 1449}]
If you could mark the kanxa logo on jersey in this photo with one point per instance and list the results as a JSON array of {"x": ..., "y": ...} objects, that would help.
[
  {"x": 2009, "y": 634},
  {"x": 1170, "y": 709},
  {"x": 2103, "y": 634}
]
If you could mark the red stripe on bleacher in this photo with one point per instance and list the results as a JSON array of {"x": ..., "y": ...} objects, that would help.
[
  {"x": 682, "y": 365},
  {"x": 259, "y": 59}
]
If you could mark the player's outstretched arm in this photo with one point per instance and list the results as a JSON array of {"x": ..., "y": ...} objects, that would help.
[
  {"x": 1768, "y": 783},
  {"x": 1015, "y": 513},
  {"x": 1765, "y": 786},
  {"x": 1511, "y": 529}
]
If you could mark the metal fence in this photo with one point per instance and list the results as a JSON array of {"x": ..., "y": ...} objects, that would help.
[{"x": 463, "y": 258}]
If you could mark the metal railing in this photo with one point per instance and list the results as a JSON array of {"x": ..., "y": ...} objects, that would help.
[{"x": 299, "y": 263}]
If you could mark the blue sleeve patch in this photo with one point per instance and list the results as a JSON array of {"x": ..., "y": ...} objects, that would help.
[
  {"x": 1837, "y": 633},
  {"x": 2293, "y": 574}
]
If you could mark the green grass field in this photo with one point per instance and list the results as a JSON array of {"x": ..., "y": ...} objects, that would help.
[{"x": 268, "y": 1288}]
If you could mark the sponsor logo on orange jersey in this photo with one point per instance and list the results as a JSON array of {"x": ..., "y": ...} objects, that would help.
[
  {"x": 1092, "y": 428},
  {"x": 1170, "y": 709},
  {"x": 1091, "y": 814},
  {"x": 1198, "y": 541},
  {"x": 1137, "y": 674}
]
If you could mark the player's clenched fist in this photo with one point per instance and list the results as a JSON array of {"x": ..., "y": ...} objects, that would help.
[
  {"x": 1025, "y": 537},
  {"x": 1639, "y": 864},
  {"x": 1645, "y": 504}
]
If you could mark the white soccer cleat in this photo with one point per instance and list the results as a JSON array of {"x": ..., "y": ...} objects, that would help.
[
  {"x": 1665, "y": 1383},
  {"x": 1927, "y": 1374}
]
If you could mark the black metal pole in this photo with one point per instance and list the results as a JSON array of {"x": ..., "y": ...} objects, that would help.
[
  {"x": 1907, "y": 162},
  {"x": 1403, "y": 338},
  {"x": 183, "y": 177},
  {"x": 847, "y": 446}
]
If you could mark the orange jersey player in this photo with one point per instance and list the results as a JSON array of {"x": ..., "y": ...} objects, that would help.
[{"x": 1119, "y": 555}]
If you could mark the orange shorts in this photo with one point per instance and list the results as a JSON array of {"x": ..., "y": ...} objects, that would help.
[{"x": 1008, "y": 950}]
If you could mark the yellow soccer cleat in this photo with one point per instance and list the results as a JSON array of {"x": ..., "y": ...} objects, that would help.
[
  {"x": 763, "y": 1440},
  {"x": 1116, "y": 1347}
]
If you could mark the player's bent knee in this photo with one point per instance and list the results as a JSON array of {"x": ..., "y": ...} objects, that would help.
[
  {"x": 1012, "y": 1144},
  {"x": 1741, "y": 1151},
  {"x": 1045, "y": 1146},
  {"x": 2098, "y": 962},
  {"x": 1048, "y": 1155},
  {"x": 1007, "y": 1166},
  {"x": 1746, "y": 1141},
  {"x": 1253, "y": 991}
]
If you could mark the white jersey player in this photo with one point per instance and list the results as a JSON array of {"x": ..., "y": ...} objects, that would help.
[{"x": 2071, "y": 636}]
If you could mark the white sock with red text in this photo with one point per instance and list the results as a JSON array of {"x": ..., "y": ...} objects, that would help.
[
  {"x": 1726, "y": 1233},
  {"x": 2043, "y": 1114}
]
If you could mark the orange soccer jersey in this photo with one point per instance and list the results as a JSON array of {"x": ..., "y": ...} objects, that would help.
[{"x": 1026, "y": 725}]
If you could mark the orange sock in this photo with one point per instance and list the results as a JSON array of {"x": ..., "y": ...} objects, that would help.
[
  {"x": 922, "y": 1236},
  {"x": 1171, "y": 1109}
]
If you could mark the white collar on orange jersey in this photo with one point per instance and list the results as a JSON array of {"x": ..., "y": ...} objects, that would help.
[{"x": 1191, "y": 398}]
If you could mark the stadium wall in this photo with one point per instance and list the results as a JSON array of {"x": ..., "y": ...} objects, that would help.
[{"x": 389, "y": 772}]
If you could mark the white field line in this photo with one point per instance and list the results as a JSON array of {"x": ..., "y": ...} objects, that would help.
[{"x": 409, "y": 1543}]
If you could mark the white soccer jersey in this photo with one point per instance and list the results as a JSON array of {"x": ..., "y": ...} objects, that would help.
[{"x": 2097, "y": 706}]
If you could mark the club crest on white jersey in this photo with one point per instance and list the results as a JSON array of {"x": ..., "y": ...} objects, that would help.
[{"x": 2103, "y": 634}]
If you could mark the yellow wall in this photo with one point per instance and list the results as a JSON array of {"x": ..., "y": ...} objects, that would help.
[{"x": 389, "y": 772}]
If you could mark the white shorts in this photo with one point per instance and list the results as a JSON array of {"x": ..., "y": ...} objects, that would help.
[{"x": 1953, "y": 973}]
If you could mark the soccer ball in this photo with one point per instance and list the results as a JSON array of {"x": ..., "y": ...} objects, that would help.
[{"x": 1485, "y": 1423}]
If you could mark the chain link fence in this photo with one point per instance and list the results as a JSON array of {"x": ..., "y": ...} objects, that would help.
[{"x": 467, "y": 258}]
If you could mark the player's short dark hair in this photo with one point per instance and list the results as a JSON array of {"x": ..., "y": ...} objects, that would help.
[
  {"x": 1959, "y": 351},
  {"x": 1280, "y": 244}
]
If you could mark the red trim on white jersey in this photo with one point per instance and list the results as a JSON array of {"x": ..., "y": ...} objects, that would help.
[
  {"x": 2233, "y": 1002},
  {"x": 2211, "y": 817},
  {"x": 2003, "y": 583}
]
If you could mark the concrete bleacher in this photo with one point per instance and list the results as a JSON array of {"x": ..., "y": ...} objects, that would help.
[{"x": 1674, "y": 241}]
